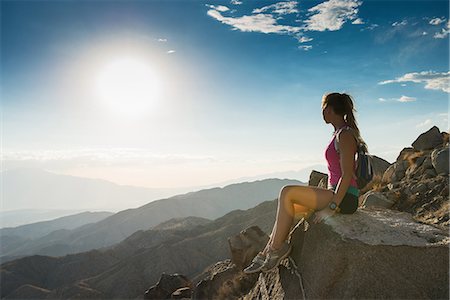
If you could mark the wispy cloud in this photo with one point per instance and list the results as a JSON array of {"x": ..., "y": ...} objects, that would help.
[
  {"x": 331, "y": 15},
  {"x": 402, "y": 23},
  {"x": 358, "y": 21},
  {"x": 433, "y": 80},
  {"x": 221, "y": 8},
  {"x": 444, "y": 32},
  {"x": 403, "y": 99},
  {"x": 370, "y": 27},
  {"x": 424, "y": 123},
  {"x": 171, "y": 51},
  {"x": 280, "y": 8},
  {"x": 304, "y": 39},
  {"x": 305, "y": 47},
  {"x": 162, "y": 40},
  {"x": 236, "y": 2},
  {"x": 406, "y": 99},
  {"x": 264, "y": 23},
  {"x": 437, "y": 21}
]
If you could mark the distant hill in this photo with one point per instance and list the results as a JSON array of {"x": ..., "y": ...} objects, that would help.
[
  {"x": 34, "y": 188},
  {"x": 209, "y": 203},
  {"x": 16, "y": 237},
  {"x": 19, "y": 217},
  {"x": 127, "y": 269},
  {"x": 39, "y": 229}
]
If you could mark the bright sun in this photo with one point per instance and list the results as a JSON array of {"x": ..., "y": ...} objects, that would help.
[{"x": 128, "y": 86}]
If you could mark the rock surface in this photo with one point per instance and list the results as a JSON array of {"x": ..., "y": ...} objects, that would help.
[
  {"x": 245, "y": 245},
  {"x": 428, "y": 140},
  {"x": 374, "y": 253},
  {"x": 167, "y": 285}
]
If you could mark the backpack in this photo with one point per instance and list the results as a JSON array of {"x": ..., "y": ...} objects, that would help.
[{"x": 364, "y": 163}]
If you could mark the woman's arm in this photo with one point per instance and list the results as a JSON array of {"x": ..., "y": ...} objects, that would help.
[{"x": 347, "y": 149}]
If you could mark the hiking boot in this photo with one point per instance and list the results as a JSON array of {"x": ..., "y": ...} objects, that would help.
[
  {"x": 256, "y": 264},
  {"x": 274, "y": 257}
]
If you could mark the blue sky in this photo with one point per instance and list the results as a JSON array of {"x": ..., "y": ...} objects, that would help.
[{"x": 235, "y": 85}]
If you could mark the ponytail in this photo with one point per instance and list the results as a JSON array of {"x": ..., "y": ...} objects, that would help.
[{"x": 342, "y": 104}]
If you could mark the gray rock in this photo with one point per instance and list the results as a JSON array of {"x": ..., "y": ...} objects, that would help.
[
  {"x": 166, "y": 285},
  {"x": 427, "y": 164},
  {"x": 419, "y": 188},
  {"x": 375, "y": 199},
  {"x": 379, "y": 165},
  {"x": 389, "y": 173},
  {"x": 428, "y": 140},
  {"x": 245, "y": 245},
  {"x": 316, "y": 177},
  {"x": 405, "y": 152},
  {"x": 439, "y": 160},
  {"x": 182, "y": 293},
  {"x": 373, "y": 253}
]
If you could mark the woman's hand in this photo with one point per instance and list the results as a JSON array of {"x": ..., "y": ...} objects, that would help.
[{"x": 322, "y": 215}]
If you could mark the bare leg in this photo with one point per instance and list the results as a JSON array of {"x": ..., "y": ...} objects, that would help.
[{"x": 309, "y": 197}]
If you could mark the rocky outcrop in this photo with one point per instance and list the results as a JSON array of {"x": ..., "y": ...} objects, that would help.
[
  {"x": 170, "y": 286},
  {"x": 417, "y": 182},
  {"x": 374, "y": 253},
  {"x": 428, "y": 140}
]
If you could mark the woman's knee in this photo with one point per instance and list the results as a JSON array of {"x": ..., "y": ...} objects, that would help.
[{"x": 286, "y": 192}]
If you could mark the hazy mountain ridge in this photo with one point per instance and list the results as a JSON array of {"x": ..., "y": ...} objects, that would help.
[
  {"x": 140, "y": 259},
  {"x": 39, "y": 229},
  {"x": 210, "y": 204},
  {"x": 60, "y": 191}
]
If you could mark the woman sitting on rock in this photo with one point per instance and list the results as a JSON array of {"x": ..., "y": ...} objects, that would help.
[{"x": 341, "y": 195}]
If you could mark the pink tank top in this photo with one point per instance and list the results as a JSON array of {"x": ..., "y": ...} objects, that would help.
[{"x": 334, "y": 165}]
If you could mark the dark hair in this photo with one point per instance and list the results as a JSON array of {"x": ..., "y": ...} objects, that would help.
[{"x": 342, "y": 104}]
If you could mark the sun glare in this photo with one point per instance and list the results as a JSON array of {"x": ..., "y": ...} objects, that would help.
[{"x": 128, "y": 86}]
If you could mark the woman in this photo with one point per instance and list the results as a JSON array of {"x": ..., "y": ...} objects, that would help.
[{"x": 341, "y": 195}]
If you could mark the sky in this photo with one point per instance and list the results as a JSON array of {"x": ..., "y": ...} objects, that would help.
[{"x": 183, "y": 93}]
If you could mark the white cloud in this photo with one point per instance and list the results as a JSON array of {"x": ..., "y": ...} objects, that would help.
[
  {"x": 218, "y": 7},
  {"x": 281, "y": 8},
  {"x": 358, "y": 21},
  {"x": 406, "y": 99},
  {"x": 444, "y": 32},
  {"x": 236, "y": 2},
  {"x": 170, "y": 51},
  {"x": 331, "y": 15},
  {"x": 382, "y": 100},
  {"x": 432, "y": 80},
  {"x": 370, "y": 27},
  {"x": 402, "y": 23},
  {"x": 264, "y": 23},
  {"x": 437, "y": 21},
  {"x": 162, "y": 40},
  {"x": 305, "y": 47},
  {"x": 304, "y": 39},
  {"x": 424, "y": 123}
]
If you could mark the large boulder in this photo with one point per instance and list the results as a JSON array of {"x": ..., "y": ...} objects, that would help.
[
  {"x": 428, "y": 140},
  {"x": 376, "y": 199},
  {"x": 167, "y": 285},
  {"x": 245, "y": 245},
  {"x": 439, "y": 159},
  {"x": 373, "y": 253},
  {"x": 317, "y": 178},
  {"x": 379, "y": 165}
]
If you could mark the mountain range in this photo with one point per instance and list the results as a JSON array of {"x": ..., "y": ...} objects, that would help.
[
  {"x": 208, "y": 203},
  {"x": 125, "y": 270}
]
